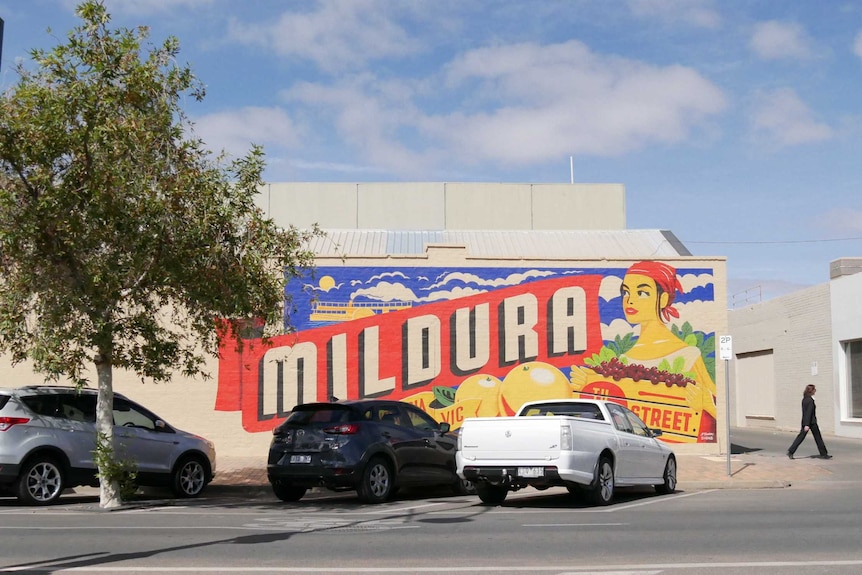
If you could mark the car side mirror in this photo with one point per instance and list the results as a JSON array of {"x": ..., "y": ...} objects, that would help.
[
  {"x": 160, "y": 425},
  {"x": 445, "y": 427},
  {"x": 656, "y": 432}
]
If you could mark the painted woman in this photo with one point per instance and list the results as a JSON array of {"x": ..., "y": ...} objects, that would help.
[{"x": 648, "y": 291}]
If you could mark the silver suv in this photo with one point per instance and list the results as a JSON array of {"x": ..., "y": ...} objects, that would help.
[{"x": 48, "y": 434}]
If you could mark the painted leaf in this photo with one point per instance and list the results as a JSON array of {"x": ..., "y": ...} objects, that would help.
[{"x": 444, "y": 395}]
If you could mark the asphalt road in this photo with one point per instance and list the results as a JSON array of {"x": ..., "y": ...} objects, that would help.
[{"x": 812, "y": 528}]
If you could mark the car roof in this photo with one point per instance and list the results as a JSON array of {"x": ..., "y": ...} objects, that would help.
[
  {"x": 52, "y": 389},
  {"x": 359, "y": 403}
]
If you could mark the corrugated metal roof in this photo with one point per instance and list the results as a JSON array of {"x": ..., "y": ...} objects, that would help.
[{"x": 574, "y": 244}]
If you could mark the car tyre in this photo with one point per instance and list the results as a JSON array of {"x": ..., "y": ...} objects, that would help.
[
  {"x": 669, "y": 485},
  {"x": 463, "y": 487},
  {"x": 491, "y": 494},
  {"x": 602, "y": 491},
  {"x": 377, "y": 481},
  {"x": 41, "y": 481},
  {"x": 288, "y": 492},
  {"x": 190, "y": 477}
]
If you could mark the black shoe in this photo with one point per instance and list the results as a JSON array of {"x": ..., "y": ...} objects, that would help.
[
  {"x": 827, "y": 456},
  {"x": 790, "y": 455}
]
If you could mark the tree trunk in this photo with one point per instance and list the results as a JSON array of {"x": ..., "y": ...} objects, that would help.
[{"x": 109, "y": 491}]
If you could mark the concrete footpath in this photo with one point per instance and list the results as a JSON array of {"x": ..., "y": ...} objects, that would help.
[{"x": 758, "y": 460}]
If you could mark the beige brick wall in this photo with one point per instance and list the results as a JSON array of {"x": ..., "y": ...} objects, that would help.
[{"x": 797, "y": 328}]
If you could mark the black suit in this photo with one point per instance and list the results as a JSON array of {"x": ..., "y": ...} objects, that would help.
[{"x": 809, "y": 420}]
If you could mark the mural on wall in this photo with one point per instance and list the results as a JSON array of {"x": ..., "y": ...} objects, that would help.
[{"x": 472, "y": 342}]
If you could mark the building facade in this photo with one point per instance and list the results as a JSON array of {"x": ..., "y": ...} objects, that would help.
[
  {"x": 469, "y": 299},
  {"x": 813, "y": 336}
]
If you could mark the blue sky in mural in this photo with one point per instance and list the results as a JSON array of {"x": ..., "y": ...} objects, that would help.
[
  {"x": 736, "y": 125},
  {"x": 334, "y": 287}
]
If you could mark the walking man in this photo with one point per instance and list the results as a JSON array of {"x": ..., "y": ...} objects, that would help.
[{"x": 809, "y": 422}]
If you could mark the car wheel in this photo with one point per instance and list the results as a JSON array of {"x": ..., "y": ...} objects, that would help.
[
  {"x": 603, "y": 489},
  {"x": 288, "y": 492},
  {"x": 491, "y": 494},
  {"x": 41, "y": 482},
  {"x": 377, "y": 481},
  {"x": 190, "y": 477},
  {"x": 463, "y": 487},
  {"x": 669, "y": 485}
]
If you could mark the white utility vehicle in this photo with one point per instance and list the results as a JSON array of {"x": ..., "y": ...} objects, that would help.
[{"x": 589, "y": 446}]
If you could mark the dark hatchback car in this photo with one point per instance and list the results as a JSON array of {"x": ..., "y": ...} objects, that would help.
[{"x": 372, "y": 446}]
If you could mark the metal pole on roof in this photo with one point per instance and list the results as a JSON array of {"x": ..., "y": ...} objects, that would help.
[{"x": 572, "y": 167}]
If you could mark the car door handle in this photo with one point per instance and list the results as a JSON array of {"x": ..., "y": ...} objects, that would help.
[{"x": 386, "y": 434}]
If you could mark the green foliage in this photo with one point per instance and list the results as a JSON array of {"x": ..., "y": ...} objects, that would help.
[
  {"x": 444, "y": 396},
  {"x": 678, "y": 366},
  {"x": 121, "y": 237},
  {"x": 620, "y": 345},
  {"x": 123, "y": 472},
  {"x": 123, "y": 241},
  {"x": 706, "y": 345}
]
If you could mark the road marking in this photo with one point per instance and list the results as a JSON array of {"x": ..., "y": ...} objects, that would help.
[
  {"x": 410, "y": 508},
  {"x": 558, "y": 569},
  {"x": 574, "y": 524}
]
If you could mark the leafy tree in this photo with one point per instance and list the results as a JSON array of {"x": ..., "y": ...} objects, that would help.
[{"x": 123, "y": 241}]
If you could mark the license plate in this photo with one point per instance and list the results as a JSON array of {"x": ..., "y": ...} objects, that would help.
[
  {"x": 300, "y": 459},
  {"x": 531, "y": 471}
]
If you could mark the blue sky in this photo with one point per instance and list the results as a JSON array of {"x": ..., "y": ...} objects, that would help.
[{"x": 736, "y": 125}]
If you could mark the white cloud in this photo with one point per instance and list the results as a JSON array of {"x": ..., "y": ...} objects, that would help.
[
  {"x": 516, "y": 105},
  {"x": 857, "y": 45},
  {"x": 610, "y": 288},
  {"x": 776, "y": 40},
  {"x": 782, "y": 117},
  {"x": 235, "y": 131},
  {"x": 151, "y": 6},
  {"x": 386, "y": 291},
  {"x": 699, "y": 13},
  {"x": 691, "y": 281},
  {"x": 335, "y": 35},
  {"x": 546, "y": 101},
  {"x": 619, "y": 327}
]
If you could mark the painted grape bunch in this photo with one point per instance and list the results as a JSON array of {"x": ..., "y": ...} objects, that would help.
[{"x": 618, "y": 370}]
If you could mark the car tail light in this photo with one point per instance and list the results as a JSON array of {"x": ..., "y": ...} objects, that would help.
[
  {"x": 343, "y": 429},
  {"x": 7, "y": 422},
  {"x": 565, "y": 438}
]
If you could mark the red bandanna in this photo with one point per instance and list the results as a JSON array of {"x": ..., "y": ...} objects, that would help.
[{"x": 665, "y": 278}]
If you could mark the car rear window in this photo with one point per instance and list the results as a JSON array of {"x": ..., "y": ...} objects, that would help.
[
  {"x": 303, "y": 414},
  {"x": 64, "y": 405},
  {"x": 583, "y": 410},
  {"x": 3, "y": 400}
]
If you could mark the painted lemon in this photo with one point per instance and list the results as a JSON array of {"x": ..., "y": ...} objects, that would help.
[
  {"x": 532, "y": 381},
  {"x": 485, "y": 388}
]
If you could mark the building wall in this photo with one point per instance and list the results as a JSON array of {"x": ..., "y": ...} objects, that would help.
[
  {"x": 796, "y": 329},
  {"x": 390, "y": 327},
  {"x": 249, "y": 394},
  {"x": 846, "y": 315},
  {"x": 446, "y": 206}
]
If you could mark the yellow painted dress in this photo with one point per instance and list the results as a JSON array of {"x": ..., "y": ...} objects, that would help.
[{"x": 683, "y": 410}]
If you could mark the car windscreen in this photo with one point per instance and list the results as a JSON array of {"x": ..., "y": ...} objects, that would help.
[{"x": 321, "y": 413}]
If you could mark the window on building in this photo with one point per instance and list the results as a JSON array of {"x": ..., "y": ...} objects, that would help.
[{"x": 853, "y": 352}]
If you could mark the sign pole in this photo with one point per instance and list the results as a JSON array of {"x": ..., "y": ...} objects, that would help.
[
  {"x": 727, "y": 410},
  {"x": 725, "y": 353}
]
